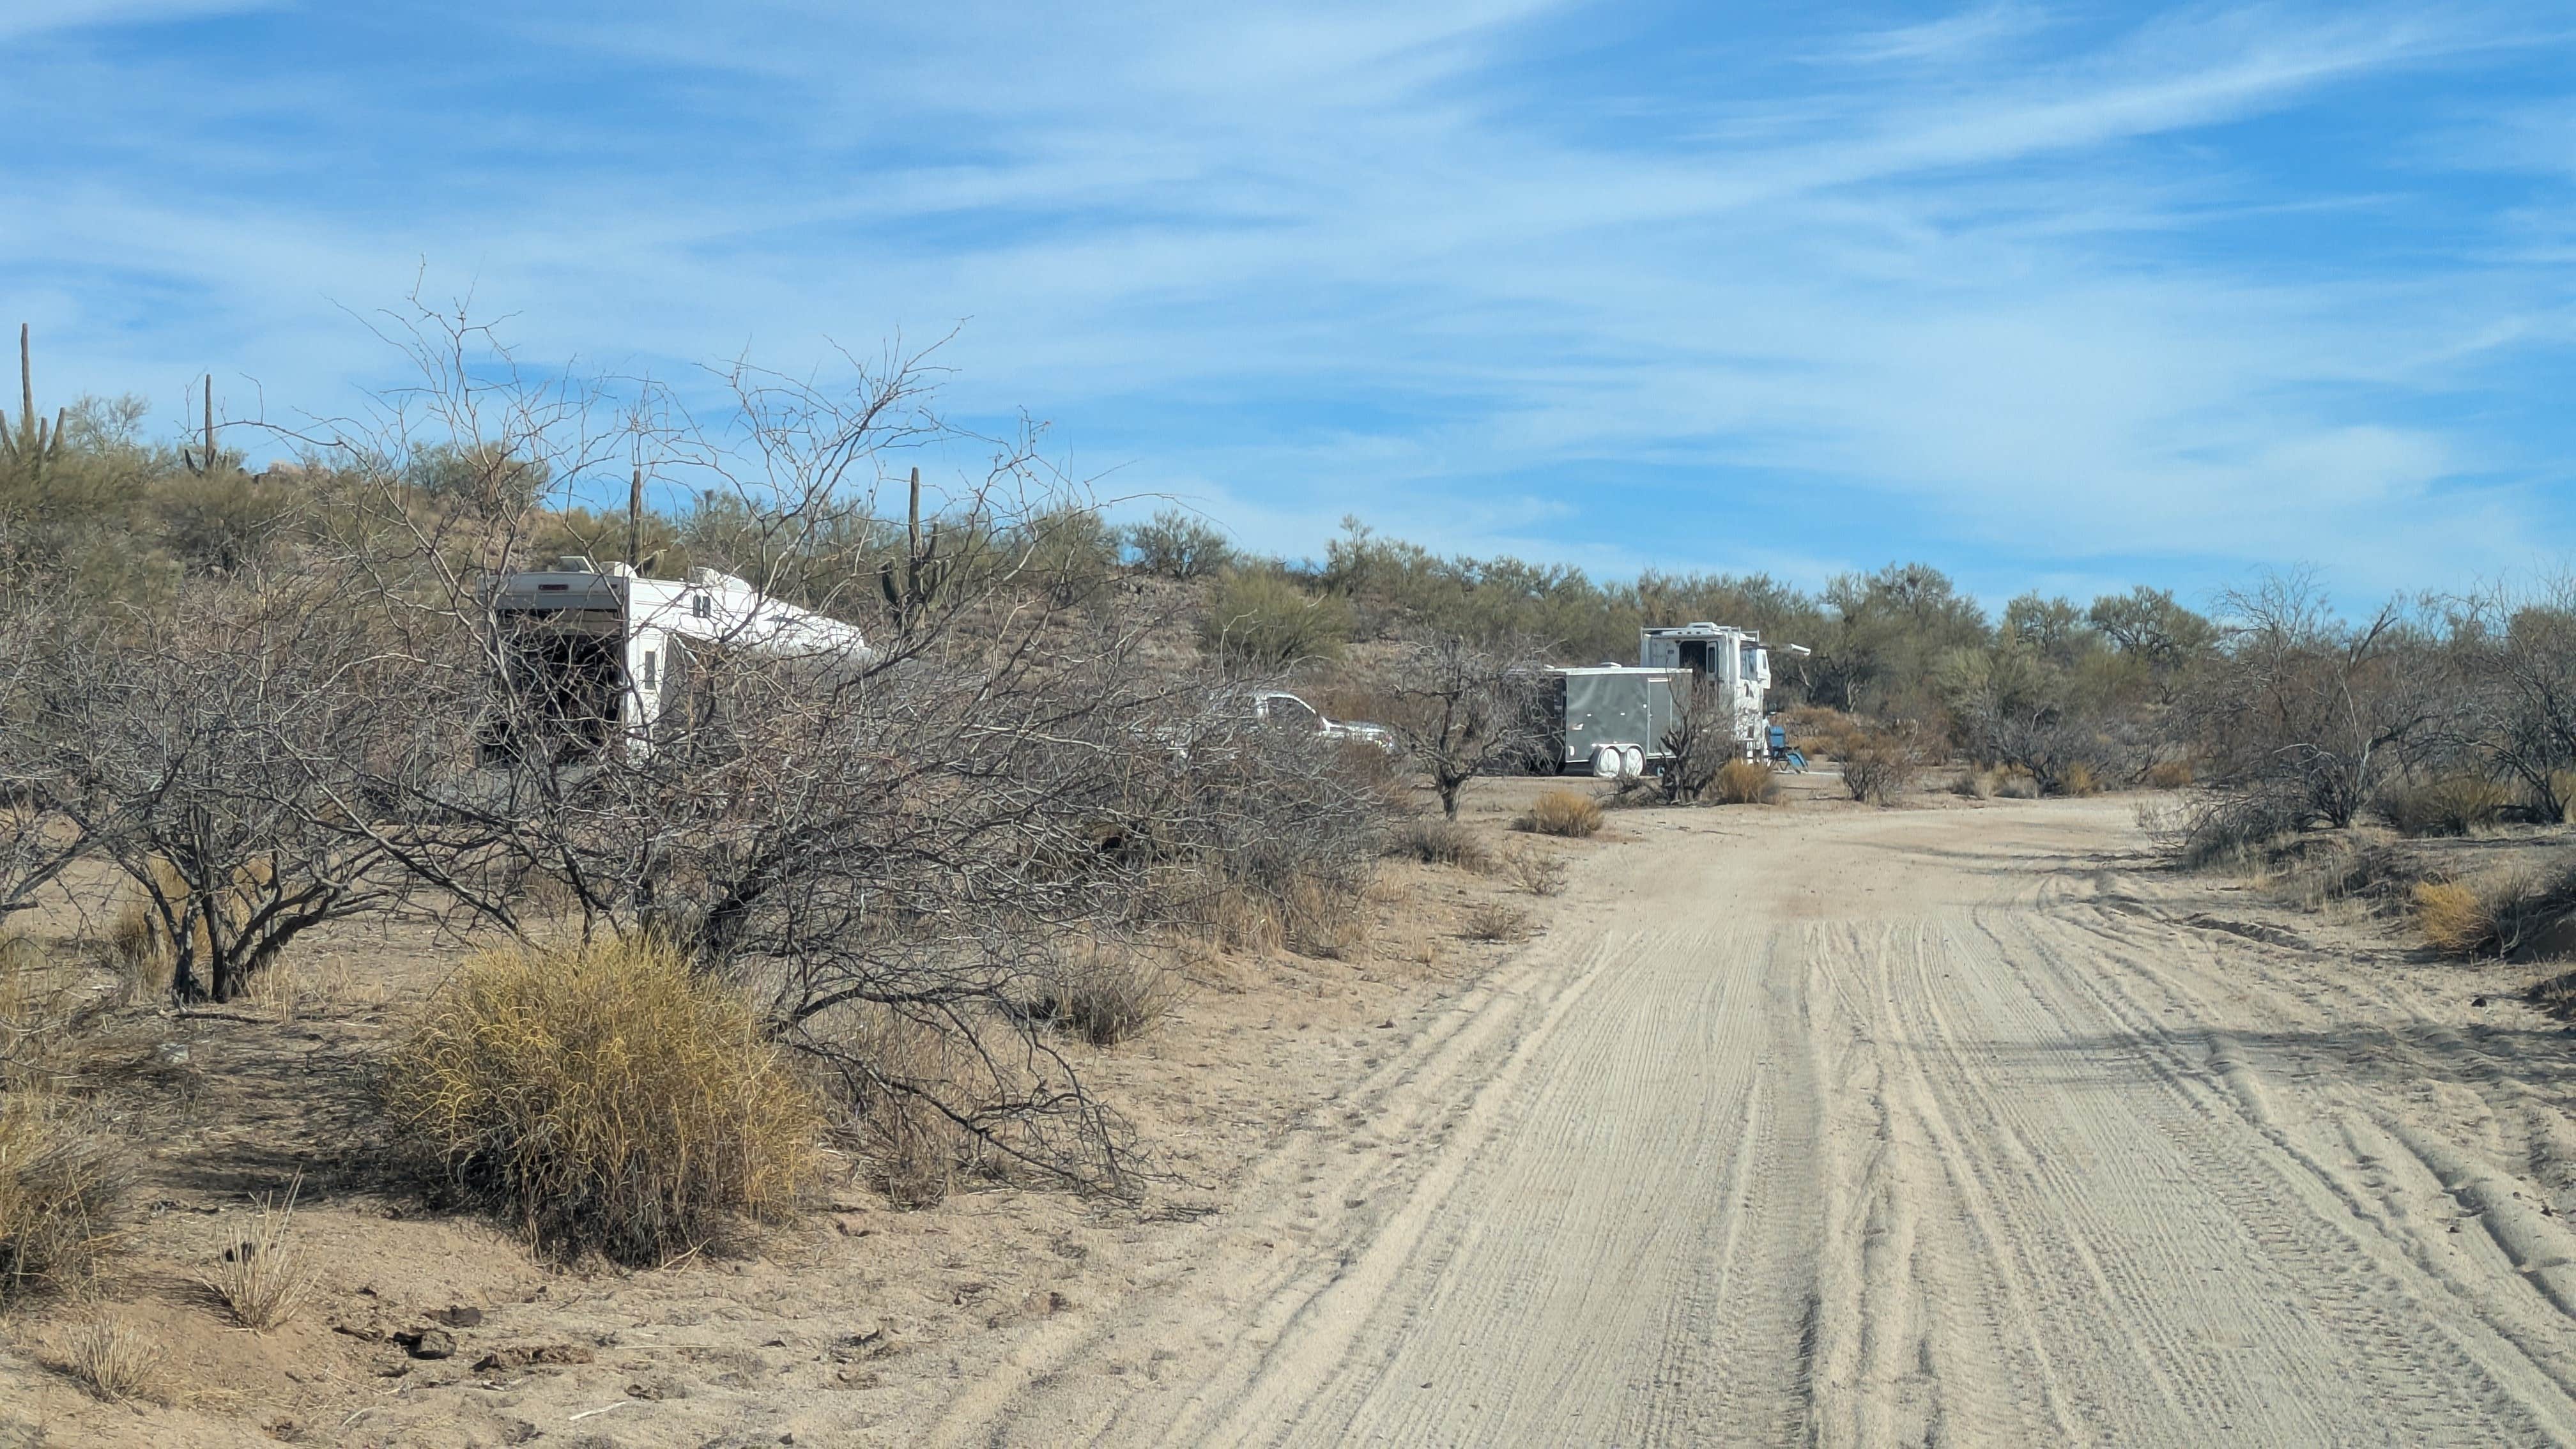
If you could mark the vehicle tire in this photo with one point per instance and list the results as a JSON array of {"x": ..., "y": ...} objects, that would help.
[
  {"x": 1632, "y": 761},
  {"x": 1606, "y": 762}
]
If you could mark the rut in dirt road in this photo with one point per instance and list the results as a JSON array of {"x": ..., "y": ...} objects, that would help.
[{"x": 1871, "y": 1129}]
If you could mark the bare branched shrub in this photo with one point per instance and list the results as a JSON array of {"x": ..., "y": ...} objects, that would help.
[
  {"x": 1880, "y": 765},
  {"x": 1569, "y": 813},
  {"x": 2311, "y": 714},
  {"x": 117, "y": 1361},
  {"x": 608, "y": 1099},
  {"x": 2168, "y": 775},
  {"x": 1701, "y": 742},
  {"x": 60, "y": 1188},
  {"x": 2519, "y": 653},
  {"x": 1536, "y": 872},
  {"x": 38, "y": 839},
  {"x": 39, "y": 1011},
  {"x": 263, "y": 1279},
  {"x": 2203, "y": 829},
  {"x": 222, "y": 757}
]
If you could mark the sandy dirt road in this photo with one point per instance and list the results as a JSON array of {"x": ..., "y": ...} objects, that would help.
[{"x": 1880, "y": 1127}]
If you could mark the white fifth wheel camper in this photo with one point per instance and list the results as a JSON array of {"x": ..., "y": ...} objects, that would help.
[
  {"x": 1734, "y": 660},
  {"x": 605, "y": 655}
]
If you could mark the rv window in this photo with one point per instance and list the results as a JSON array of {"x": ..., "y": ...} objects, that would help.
[
  {"x": 702, "y": 606},
  {"x": 648, "y": 669}
]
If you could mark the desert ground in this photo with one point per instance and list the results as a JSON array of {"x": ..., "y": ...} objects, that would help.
[{"x": 1964, "y": 1122}]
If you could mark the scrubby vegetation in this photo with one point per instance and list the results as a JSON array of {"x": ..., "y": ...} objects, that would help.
[
  {"x": 607, "y": 1099},
  {"x": 901, "y": 908}
]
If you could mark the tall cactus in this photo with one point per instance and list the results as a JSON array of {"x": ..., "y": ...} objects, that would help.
[
  {"x": 32, "y": 447},
  {"x": 203, "y": 462},
  {"x": 925, "y": 574}
]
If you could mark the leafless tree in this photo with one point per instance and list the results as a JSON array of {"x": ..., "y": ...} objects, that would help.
[
  {"x": 1462, "y": 709},
  {"x": 1701, "y": 740},
  {"x": 2520, "y": 654},
  {"x": 38, "y": 839},
  {"x": 2309, "y": 712},
  {"x": 226, "y": 754}
]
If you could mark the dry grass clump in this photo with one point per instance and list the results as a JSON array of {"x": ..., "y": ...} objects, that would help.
[
  {"x": 263, "y": 1279},
  {"x": 1109, "y": 994},
  {"x": 1744, "y": 782},
  {"x": 1536, "y": 872},
  {"x": 139, "y": 951},
  {"x": 2168, "y": 775},
  {"x": 912, "y": 1150},
  {"x": 36, "y": 1016},
  {"x": 2445, "y": 805},
  {"x": 1437, "y": 841},
  {"x": 1308, "y": 916},
  {"x": 117, "y": 1361},
  {"x": 2453, "y": 916},
  {"x": 1496, "y": 921},
  {"x": 2078, "y": 780},
  {"x": 60, "y": 1187},
  {"x": 607, "y": 1097},
  {"x": 1569, "y": 813},
  {"x": 2557, "y": 996},
  {"x": 2496, "y": 915}
]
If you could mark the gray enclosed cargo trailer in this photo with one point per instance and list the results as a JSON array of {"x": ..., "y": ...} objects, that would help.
[{"x": 1607, "y": 720}]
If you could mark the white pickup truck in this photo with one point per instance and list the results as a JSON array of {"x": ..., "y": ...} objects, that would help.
[{"x": 1279, "y": 707}]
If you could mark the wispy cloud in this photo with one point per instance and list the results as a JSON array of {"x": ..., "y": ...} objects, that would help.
[{"x": 2002, "y": 286}]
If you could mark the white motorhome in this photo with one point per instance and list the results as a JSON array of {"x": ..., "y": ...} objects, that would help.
[
  {"x": 1735, "y": 660},
  {"x": 608, "y": 654}
]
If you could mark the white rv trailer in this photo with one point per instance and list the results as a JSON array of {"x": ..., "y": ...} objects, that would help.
[
  {"x": 1735, "y": 660},
  {"x": 607, "y": 652}
]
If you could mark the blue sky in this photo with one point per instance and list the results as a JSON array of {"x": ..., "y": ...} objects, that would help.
[{"x": 2066, "y": 296}]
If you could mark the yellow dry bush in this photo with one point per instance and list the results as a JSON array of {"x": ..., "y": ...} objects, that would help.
[
  {"x": 1743, "y": 782},
  {"x": 1562, "y": 812},
  {"x": 2456, "y": 918},
  {"x": 2078, "y": 779},
  {"x": 607, "y": 1097}
]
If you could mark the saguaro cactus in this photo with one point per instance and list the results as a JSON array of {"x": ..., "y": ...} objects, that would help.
[
  {"x": 202, "y": 460},
  {"x": 32, "y": 446},
  {"x": 925, "y": 574}
]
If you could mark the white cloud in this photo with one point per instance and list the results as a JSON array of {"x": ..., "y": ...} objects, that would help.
[{"x": 1309, "y": 260}]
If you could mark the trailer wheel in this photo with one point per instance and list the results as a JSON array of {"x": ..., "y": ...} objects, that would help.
[
  {"x": 1606, "y": 762},
  {"x": 1632, "y": 761}
]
